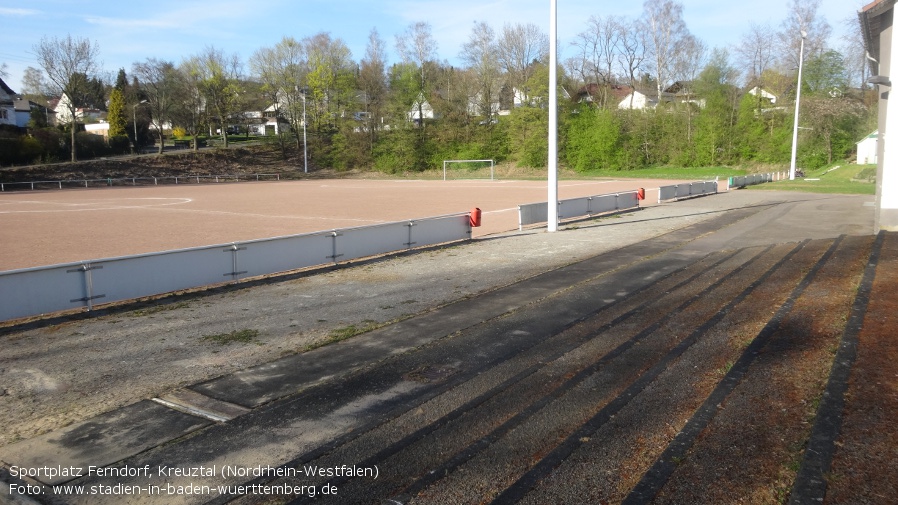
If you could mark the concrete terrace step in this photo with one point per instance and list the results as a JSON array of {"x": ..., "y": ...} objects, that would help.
[{"x": 624, "y": 377}]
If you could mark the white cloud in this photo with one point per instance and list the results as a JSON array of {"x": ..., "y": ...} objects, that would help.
[{"x": 6, "y": 11}]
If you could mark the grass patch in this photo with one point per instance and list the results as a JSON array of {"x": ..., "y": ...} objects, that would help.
[
  {"x": 346, "y": 332},
  {"x": 352, "y": 330},
  {"x": 836, "y": 179},
  {"x": 158, "y": 308},
  {"x": 244, "y": 336},
  {"x": 695, "y": 174}
]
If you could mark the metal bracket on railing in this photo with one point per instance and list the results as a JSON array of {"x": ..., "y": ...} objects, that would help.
[
  {"x": 234, "y": 250},
  {"x": 333, "y": 257},
  {"x": 410, "y": 242},
  {"x": 89, "y": 296}
]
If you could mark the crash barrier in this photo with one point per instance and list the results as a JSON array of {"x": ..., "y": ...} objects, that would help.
[
  {"x": 534, "y": 213},
  {"x": 686, "y": 190},
  {"x": 750, "y": 180},
  {"x": 135, "y": 181},
  {"x": 41, "y": 290}
]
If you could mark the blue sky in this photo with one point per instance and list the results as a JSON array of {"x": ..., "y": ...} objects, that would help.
[{"x": 127, "y": 32}]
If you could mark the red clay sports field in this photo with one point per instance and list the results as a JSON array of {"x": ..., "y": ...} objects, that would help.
[{"x": 59, "y": 226}]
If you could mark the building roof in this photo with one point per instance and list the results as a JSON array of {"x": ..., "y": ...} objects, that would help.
[
  {"x": 10, "y": 94},
  {"x": 873, "y": 21},
  {"x": 6, "y": 88}
]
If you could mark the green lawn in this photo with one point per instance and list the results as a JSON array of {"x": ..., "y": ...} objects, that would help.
[
  {"x": 696, "y": 174},
  {"x": 844, "y": 178},
  {"x": 837, "y": 178}
]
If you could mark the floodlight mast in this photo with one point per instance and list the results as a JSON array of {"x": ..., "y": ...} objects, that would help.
[
  {"x": 553, "y": 117},
  {"x": 797, "y": 101}
]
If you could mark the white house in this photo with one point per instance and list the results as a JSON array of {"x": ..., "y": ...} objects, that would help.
[
  {"x": 7, "y": 105},
  {"x": 419, "y": 108},
  {"x": 866, "y": 149},
  {"x": 638, "y": 100},
  {"x": 101, "y": 128},
  {"x": 475, "y": 105},
  {"x": 64, "y": 115},
  {"x": 764, "y": 94}
]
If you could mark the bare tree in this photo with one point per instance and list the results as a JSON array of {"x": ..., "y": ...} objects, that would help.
[
  {"x": 191, "y": 111},
  {"x": 598, "y": 48},
  {"x": 855, "y": 53},
  {"x": 282, "y": 70},
  {"x": 631, "y": 52},
  {"x": 66, "y": 62},
  {"x": 373, "y": 82},
  {"x": 161, "y": 84},
  {"x": 520, "y": 50},
  {"x": 757, "y": 53},
  {"x": 666, "y": 33},
  {"x": 4, "y": 70},
  {"x": 33, "y": 84},
  {"x": 802, "y": 18},
  {"x": 480, "y": 54},
  {"x": 418, "y": 47},
  {"x": 688, "y": 62}
]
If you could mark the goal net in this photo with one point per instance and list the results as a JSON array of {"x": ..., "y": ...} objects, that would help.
[{"x": 469, "y": 169}]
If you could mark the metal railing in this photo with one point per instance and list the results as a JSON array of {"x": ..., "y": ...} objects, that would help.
[
  {"x": 134, "y": 181},
  {"x": 534, "y": 213},
  {"x": 686, "y": 190},
  {"x": 42, "y": 290},
  {"x": 750, "y": 180}
]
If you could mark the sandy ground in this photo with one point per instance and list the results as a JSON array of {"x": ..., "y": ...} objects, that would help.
[{"x": 52, "y": 227}]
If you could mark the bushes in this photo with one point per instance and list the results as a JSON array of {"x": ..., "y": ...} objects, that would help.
[
  {"x": 119, "y": 144},
  {"x": 27, "y": 150}
]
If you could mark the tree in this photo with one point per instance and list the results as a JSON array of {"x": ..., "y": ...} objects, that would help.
[
  {"x": 190, "y": 111},
  {"x": 756, "y": 52},
  {"x": 417, "y": 47},
  {"x": 479, "y": 53},
  {"x": 520, "y": 50},
  {"x": 666, "y": 34},
  {"x": 836, "y": 122},
  {"x": 330, "y": 78},
  {"x": 632, "y": 52},
  {"x": 714, "y": 134},
  {"x": 63, "y": 61},
  {"x": 372, "y": 81},
  {"x": 4, "y": 70},
  {"x": 802, "y": 18},
  {"x": 597, "y": 54},
  {"x": 161, "y": 84},
  {"x": 282, "y": 70},
  {"x": 826, "y": 73},
  {"x": 34, "y": 86},
  {"x": 856, "y": 63},
  {"x": 217, "y": 81},
  {"x": 117, "y": 116}
]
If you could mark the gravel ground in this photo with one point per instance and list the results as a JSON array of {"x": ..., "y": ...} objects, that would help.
[{"x": 55, "y": 373}]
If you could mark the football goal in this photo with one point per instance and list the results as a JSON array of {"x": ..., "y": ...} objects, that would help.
[{"x": 468, "y": 169}]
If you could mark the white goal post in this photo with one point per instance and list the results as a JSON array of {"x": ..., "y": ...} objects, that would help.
[{"x": 491, "y": 162}]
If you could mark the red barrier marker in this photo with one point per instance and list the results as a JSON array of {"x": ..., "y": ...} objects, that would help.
[{"x": 475, "y": 217}]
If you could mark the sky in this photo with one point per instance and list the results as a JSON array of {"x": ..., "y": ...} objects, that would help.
[{"x": 129, "y": 32}]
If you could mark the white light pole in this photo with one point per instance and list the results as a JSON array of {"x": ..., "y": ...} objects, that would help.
[
  {"x": 305, "y": 155},
  {"x": 797, "y": 101},
  {"x": 553, "y": 117},
  {"x": 134, "y": 110}
]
